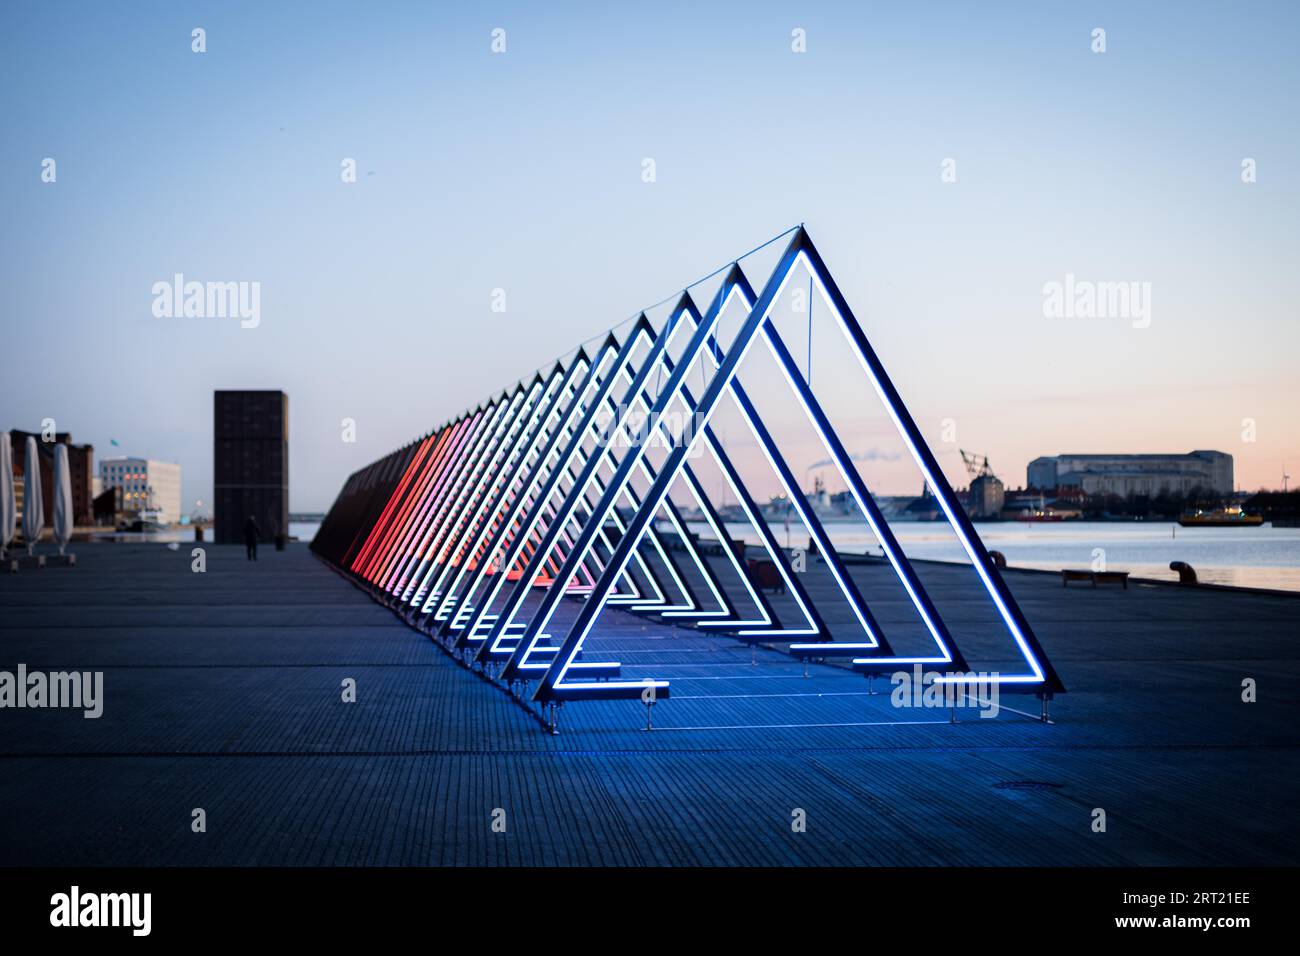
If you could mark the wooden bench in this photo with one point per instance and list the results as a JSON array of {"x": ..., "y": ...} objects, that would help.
[
  {"x": 1096, "y": 577},
  {"x": 622, "y": 690},
  {"x": 591, "y": 671},
  {"x": 824, "y": 650}
]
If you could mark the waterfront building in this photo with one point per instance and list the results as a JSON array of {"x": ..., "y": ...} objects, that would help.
[
  {"x": 1126, "y": 475},
  {"x": 143, "y": 485},
  {"x": 81, "y": 466},
  {"x": 986, "y": 497}
]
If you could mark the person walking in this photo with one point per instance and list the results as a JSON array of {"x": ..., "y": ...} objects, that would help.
[{"x": 251, "y": 534}]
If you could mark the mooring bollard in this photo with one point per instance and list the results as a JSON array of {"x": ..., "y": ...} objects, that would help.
[{"x": 1186, "y": 573}]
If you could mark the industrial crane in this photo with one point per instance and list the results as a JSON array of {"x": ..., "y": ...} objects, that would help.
[{"x": 974, "y": 467}]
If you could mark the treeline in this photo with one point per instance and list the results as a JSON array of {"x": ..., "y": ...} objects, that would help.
[
  {"x": 1162, "y": 505},
  {"x": 1275, "y": 505}
]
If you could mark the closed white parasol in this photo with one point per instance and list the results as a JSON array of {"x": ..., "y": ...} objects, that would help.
[
  {"x": 8, "y": 509},
  {"x": 33, "y": 501},
  {"x": 62, "y": 497}
]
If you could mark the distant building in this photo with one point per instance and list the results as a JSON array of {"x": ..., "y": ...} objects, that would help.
[
  {"x": 105, "y": 507},
  {"x": 986, "y": 497},
  {"x": 143, "y": 484},
  {"x": 1126, "y": 475},
  {"x": 251, "y": 462},
  {"x": 777, "y": 508},
  {"x": 81, "y": 464},
  {"x": 924, "y": 508}
]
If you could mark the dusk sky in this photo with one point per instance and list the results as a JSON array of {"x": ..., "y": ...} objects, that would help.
[{"x": 523, "y": 171}]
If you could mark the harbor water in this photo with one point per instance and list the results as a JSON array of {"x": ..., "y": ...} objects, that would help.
[{"x": 1261, "y": 557}]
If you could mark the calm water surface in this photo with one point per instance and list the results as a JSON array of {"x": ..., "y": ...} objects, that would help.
[{"x": 1264, "y": 557}]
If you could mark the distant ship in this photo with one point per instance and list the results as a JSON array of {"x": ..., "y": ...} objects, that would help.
[
  {"x": 1221, "y": 518},
  {"x": 147, "y": 521}
]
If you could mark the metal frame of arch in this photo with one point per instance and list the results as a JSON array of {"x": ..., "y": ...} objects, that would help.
[{"x": 478, "y": 531}]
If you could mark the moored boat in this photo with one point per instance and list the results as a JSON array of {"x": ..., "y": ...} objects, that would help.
[{"x": 1220, "y": 518}]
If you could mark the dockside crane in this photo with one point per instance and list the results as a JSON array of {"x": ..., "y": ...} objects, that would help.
[{"x": 974, "y": 467}]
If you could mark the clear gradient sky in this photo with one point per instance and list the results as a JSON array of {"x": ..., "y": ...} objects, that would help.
[{"x": 522, "y": 171}]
